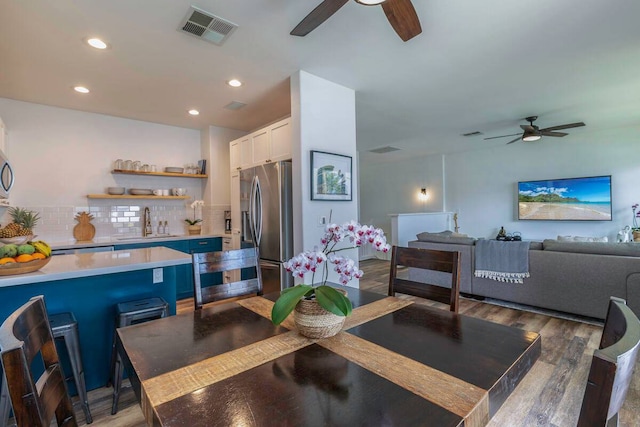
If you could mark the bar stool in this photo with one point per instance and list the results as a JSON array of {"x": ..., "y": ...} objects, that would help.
[
  {"x": 131, "y": 313},
  {"x": 65, "y": 327}
]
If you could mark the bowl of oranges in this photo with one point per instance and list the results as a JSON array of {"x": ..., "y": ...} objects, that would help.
[{"x": 23, "y": 258}]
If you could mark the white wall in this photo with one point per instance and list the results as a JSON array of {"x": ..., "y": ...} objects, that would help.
[
  {"x": 323, "y": 119},
  {"x": 391, "y": 188},
  {"x": 481, "y": 185},
  {"x": 59, "y": 156}
]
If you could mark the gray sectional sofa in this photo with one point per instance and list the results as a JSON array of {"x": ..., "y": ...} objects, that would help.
[{"x": 571, "y": 277}]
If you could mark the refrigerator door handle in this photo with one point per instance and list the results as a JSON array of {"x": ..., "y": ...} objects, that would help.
[{"x": 255, "y": 211}]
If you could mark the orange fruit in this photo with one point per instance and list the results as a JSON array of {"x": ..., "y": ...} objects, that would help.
[
  {"x": 6, "y": 260},
  {"x": 24, "y": 258},
  {"x": 38, "y": 255}
]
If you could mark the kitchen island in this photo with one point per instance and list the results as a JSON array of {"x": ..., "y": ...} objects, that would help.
[{"x": 90, "y": 285}]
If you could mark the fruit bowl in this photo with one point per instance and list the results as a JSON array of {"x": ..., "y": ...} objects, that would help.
[
  {"x": 18, "y": 240},
  {"x": 23, "y": 267}
]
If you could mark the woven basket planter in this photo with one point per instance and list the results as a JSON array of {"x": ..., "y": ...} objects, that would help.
[
  {"x": 194, "y": 229},
  {"x": 636, "y": 236},
  {"x": 313, "y": 321}
]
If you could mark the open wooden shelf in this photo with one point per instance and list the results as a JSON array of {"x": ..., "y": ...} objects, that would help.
[
  {"x": 128, "y": 196},
  {"x": 175, "y": 175}
]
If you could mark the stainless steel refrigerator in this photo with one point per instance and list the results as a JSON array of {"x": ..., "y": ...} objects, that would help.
[{"x": 268, "y": 220}]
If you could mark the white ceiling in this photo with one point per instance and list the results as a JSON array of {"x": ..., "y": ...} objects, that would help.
[{"x": 477, "y": 66}]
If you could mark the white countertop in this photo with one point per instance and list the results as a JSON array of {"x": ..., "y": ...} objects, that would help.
[
  {"x": 97, "y": 263},
  {"x": 118, "y": 240}
]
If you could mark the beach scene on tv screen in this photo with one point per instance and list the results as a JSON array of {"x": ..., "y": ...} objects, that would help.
[{"x": 577, "y": 199}]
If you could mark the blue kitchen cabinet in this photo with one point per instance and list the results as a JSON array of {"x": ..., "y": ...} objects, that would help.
[
  {"x": 93, "y": 300},
  {"x": 184, "y": 275},
  {"x": 184, "y": 287}
]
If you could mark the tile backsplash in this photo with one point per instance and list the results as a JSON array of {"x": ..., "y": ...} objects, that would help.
[{"x": 123, "y": 220}]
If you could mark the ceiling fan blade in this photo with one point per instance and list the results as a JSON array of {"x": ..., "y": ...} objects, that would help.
[
  {"x": 547, "y": 133},
  {"x": 567, "y": 126},
  {"x": 514, "y": 140},
  {"x": 317, "y": 16},
  {"x": 504, "y": 136},
  {"x": 528, "y": 128},
  {"x": 403, "y": 18}
]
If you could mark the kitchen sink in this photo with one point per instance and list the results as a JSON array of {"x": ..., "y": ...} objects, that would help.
[{"x": 154, "y": 236}]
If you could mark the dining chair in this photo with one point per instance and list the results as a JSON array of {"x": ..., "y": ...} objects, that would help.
[
  {"x": 426, "y": 259},
  {"x": 611, "y": 367},
  {"x": 220, "y": 262},
  {"x": 25, "y": 335}
]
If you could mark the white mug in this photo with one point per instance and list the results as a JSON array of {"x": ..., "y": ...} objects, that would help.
[
  {"x": 165, "y": 192},
  {"x": 179, "y": 191},
  {"x": 157, "y": 192}
]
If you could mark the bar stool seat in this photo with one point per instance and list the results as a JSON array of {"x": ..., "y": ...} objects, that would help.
[
  {"x": 131, "y": 313},
  {"x": 65, "y": 327}
]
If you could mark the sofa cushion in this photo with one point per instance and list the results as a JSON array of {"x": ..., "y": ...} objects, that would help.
[
  {"x": 600, "y": 248},
  {"x": 535, "y": 246},
  {"x": 446, "y": 237},
  {"x": 582, "y": 239}
]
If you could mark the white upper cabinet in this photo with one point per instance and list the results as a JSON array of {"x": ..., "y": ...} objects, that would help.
[
  {"x": 281, "y": 139},
  {"x": 260, "y": 147},
  {"x": 245, "y": 152},
  {"x": 270, "y": 144},
  {"x": 234, "y": 156}
]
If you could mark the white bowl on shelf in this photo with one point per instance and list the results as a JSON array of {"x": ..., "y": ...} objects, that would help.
[
  {"x": 140, "y": 191},
  {"x": 116, "y": 191}
]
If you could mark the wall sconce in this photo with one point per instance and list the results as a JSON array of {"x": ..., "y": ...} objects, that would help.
[{"x": 423, "y": 194}]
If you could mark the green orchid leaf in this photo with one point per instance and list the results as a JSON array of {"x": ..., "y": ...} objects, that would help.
[
  {"x": 332, "y": 300},
  {"x": 287, "y": 302}
]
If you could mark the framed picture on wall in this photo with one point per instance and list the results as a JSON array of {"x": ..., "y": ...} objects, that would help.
[{"x": 330, "y": 176}]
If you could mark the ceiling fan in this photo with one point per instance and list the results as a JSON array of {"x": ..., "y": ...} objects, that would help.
[
  {"x": 400, "y": 13},
  {"x": 534, "y": 133}
]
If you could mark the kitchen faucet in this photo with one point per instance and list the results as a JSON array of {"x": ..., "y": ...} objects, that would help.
[{"x": 146, "y": 219}]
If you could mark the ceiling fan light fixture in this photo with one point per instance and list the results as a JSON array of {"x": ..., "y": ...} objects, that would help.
[
  {"x": 531, "y": 137},
  {"x": 370, "y": 2}
]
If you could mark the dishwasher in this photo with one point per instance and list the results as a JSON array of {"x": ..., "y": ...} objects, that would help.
[{"x": 73, "y": 251}]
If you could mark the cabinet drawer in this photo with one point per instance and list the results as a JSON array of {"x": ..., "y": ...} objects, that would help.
[{"x": 205, "y": 245}]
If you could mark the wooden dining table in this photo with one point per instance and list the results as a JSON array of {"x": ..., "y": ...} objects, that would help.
[{"x": 395, "y": 363}]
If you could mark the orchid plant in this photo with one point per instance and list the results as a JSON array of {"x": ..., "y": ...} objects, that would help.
[
  {"x": 308, "y": 262},
  {"x": 195, "y": 205}
]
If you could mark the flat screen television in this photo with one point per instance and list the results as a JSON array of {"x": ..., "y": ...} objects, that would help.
[{"x": 569, "y": 199}]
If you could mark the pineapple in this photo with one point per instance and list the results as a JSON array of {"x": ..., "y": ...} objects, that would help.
[{"x": 24, "y": 221}]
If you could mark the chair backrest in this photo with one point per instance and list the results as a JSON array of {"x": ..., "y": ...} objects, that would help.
[
  {"x": 426, "y": 259},
  {"x": 611, "y": 367},
  {"x": 24, "y": 335},
  {"x": 220, "y": 262}
]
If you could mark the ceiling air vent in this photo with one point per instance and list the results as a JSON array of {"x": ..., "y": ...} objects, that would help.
[
  {"x": 384, "y": 150},
  {"x": 234, "y": 105},
  {"x": 206, "y": 26}
]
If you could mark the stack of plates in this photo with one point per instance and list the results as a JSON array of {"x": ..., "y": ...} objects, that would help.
[
  {"x": 140, "y": 192},
  {"x": 172, "y": 169}
]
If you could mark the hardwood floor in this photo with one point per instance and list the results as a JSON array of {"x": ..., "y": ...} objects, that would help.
[{"x": 550, "y": 395}]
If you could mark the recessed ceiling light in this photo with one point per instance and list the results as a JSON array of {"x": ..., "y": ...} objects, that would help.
[
  {"x": 97, "y": 43},
  {"x": 81, "y": 89},
  {"x": 194, "y": 112},
  {"x": 234, "y": 83}
]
